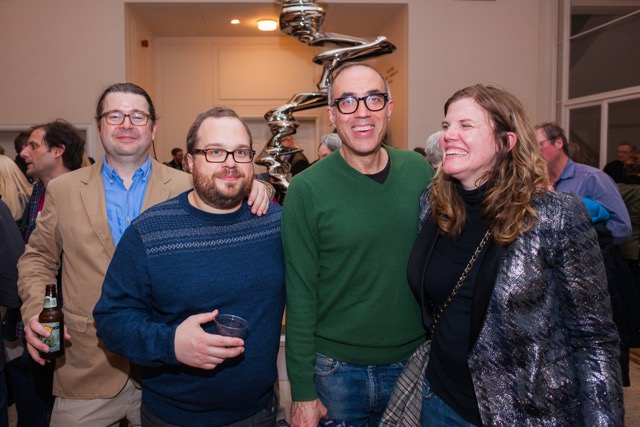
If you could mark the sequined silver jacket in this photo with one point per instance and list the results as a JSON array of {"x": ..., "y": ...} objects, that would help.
[{"x": 547, "y": 349}]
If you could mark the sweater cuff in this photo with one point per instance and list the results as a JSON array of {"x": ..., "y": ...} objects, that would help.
[
  {"x": 171, "y": 350},
  {"x": 303, "y": 390}
]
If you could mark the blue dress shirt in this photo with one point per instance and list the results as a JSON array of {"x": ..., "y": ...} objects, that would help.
[
  {"x": 124, "y": 204},
  {"x": 587, "y": 181}
]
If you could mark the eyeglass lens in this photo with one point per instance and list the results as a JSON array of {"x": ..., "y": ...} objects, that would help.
[
  {"x": 350, "y": 104},
  {"x": 218, "y": 155},
  {"x": 137, "y": 118}
]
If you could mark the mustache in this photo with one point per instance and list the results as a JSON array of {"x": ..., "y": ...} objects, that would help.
[
  {"x": 127, "y": 132},
  {"x": 229, "y": 172}
]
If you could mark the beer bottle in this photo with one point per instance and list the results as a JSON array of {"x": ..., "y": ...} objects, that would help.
[{"x": 51, "y": 317}]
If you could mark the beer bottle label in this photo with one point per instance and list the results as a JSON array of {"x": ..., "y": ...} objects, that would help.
[
  {"x": 53, "y": 341},
  {"x": 50, "y": 302}
]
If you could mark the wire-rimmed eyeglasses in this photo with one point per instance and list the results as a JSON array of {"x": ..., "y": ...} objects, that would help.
[
  {"x": 137, "y": 118},
  {"x": 350, "y": 104},
  {"x": 543, "y": 141},
  {"x": 219, "y": 155}
]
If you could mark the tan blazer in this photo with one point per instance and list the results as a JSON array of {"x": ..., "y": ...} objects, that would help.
[{"x": 73, "y": 229}]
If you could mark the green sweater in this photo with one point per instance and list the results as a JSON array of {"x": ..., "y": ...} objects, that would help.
[{"x": 347, "y": 241}]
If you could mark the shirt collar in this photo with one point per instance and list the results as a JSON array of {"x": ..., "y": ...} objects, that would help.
[
  {"x": 143, "y": 171},
  {"x": 569, "y": 170}
]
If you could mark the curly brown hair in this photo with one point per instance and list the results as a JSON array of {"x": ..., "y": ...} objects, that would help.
[{"x": 518, "y": 175}]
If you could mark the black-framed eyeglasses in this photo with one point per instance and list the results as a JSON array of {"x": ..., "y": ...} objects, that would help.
[
  {"x": 137, "y": 118},
  {"x": 219, "y": 155},
  {"x": 350, "y": 104}
]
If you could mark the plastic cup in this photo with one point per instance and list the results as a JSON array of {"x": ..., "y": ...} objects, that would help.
[{"x": 231, "y": 325}]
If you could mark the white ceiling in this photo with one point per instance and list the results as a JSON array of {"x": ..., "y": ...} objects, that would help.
[{"x": 212, "y": 19}]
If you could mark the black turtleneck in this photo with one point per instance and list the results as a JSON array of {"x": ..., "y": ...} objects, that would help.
[{"x": 447, "y": 371}]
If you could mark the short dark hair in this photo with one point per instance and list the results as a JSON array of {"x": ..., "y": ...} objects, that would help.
[
  {"x": 124, "y": 88},
  {"x": 175, "y": 150},
  {"x": 633, "y": 147},
  {"x": 216, "y": 113},
  {"x": 21, "y": 140},
  {"x": 63, "y": 134},
  {"x": 553, "y": 131}
]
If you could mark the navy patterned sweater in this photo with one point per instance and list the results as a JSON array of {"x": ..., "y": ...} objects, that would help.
[{"x": 175, "y": 261}]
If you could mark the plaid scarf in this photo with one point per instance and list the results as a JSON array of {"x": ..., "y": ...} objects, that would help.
[
  {"x": 28, "y": 221},
  {"x": 405, "y": 405}
]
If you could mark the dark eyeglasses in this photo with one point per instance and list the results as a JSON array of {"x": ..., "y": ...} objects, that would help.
[
  {"x": 137, "y": 118},
  {"x": 350, "y": 104},
  {"x": 219, "y": 155}
]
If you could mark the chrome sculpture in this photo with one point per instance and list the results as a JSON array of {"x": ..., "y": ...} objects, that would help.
[{"x": 303, "y": 20}]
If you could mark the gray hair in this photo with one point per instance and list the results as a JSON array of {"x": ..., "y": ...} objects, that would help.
[
  {"x": 332, "y": 141},
  {"x": 432, "y": 149}
]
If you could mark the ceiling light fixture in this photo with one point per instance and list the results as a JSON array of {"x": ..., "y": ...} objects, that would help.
[
  {"x": 267, "y": 24},
  {"x": 234, "y": 21}
]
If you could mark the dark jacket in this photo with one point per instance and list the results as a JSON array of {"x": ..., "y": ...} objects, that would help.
[
  {"x": 11, "y": 247},
  {"x": 625, "y": 296},
  {"x": 546, "y": 351},
  {"x": 299, "y": 162}
]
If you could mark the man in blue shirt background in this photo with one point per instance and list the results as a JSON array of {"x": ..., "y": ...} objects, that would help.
[
  {"x": 605, "y": 205},
  {"x": 584, "y": 180}
]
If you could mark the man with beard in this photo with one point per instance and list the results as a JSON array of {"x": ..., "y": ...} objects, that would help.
[
  {"x": 228, "y": 261},
  {"x": 84, "y": 217}
]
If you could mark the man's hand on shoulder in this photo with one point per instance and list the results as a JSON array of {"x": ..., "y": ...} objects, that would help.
[{"x": 260, "y": 196}]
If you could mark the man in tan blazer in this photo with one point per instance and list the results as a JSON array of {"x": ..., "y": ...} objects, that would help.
[{"x": 79, "y": 228}]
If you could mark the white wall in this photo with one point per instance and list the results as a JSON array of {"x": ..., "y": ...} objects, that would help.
[
  {"x": 58, "y": 56},
  {"x": 458, "y": 43},
  {"x": 56, "y": 59},
  {"x": 249, "y": 74}
]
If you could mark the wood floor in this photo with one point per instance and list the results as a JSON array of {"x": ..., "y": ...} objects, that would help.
[{"x": 632, "y": 394}]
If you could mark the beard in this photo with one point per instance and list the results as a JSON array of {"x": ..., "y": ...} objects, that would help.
[{"x": 221, "y": 195}]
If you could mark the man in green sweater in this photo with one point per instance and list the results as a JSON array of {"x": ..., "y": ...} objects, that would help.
[{"x": 348, "y": 226}]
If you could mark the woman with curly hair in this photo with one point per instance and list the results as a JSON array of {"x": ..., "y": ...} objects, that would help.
[{"x": 511, "y": 283}]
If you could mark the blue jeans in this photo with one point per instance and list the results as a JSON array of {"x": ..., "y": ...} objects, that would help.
[
  {"x": 357, "y": 394},
  {"x": 436, "y": 413}
]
